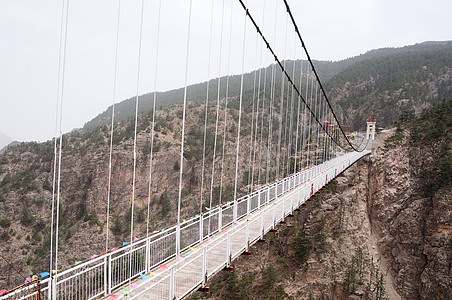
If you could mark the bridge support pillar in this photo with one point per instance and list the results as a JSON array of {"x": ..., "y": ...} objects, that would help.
[{"x": 370, "y": 132}]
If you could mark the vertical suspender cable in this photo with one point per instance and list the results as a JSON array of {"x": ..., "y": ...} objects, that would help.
[
  {"x": 324, "y": 142},
  {"x": 257, "y": 104},
  {"x": 136, "y": 125},
  {"x": 305, "y": 120},
  {"x": 314, "y": 130},
  {"x": 226, "y": 102},
  {"x": 55, "y": 153},
  {"x": 240, "y": 112},
  {"x": 153, "y": 115},
  {"x": 60, "y": 148},
  {"x": 318, "y": 127},
  {"x": 262, "y": 126},
  {"x": 298, "y": 119},
  {"x": 218, "y": 108},
  {"x": 272, "y": 94},
  {"x": 309, "y": 161},
  {"x": 112, "y": 125},
  {"x": 289, "y": 148},
  {"x": 317, "y": 109},
  {"x": 281, "y": 109},
  {"x": 183, "y": 116},
  {"x": 135, "y": 140},
  {"x": 207, "y": 108},
  {"x": 250, "y": 183}
]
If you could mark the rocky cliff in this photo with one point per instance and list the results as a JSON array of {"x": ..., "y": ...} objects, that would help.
[{"x": 374, "y": 233}]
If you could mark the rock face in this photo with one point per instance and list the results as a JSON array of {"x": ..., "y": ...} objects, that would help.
[
  {"x": 26, "y": 175},
  {"x": 372, "y": 235},
  {"x": 415, "y": 232}
]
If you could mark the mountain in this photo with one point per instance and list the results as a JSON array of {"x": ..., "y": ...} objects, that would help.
[
  {"x": 359, "y": 86},
  {"x": 382, "y": 86},
  {"x": 4, "y": 140},
  {"x": 26, "y": 169}
]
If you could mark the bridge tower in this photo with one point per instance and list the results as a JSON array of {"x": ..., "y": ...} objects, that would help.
[{"x": 370, "y": 130}]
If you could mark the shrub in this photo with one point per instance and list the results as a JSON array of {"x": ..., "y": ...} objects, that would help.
[
  {"x": 302, "y": 246},
  {"x": 5, "y": 223}
]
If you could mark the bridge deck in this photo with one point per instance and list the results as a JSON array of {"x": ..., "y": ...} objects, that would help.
[
  {"x": 185, "y": 272},
  {"x": 208, "y": 243}
]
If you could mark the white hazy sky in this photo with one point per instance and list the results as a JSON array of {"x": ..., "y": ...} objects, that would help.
[{"x": 30, "y": 35}]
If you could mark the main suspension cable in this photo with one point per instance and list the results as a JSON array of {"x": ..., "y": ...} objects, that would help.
[
  {"x": 285, "y": 72},
  {"x": 317, "y": 77}
]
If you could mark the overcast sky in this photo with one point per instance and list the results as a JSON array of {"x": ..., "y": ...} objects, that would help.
[{"x": 30, "y": 35}]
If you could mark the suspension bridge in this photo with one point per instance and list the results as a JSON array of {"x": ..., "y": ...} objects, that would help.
[{"x": 285, "y": 167}]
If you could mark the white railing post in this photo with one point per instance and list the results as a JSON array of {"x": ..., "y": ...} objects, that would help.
[
  {"x": 177, "y": 239},
  {"x": 291, "y": 204},
  {"x": 148, "y": 255},
  {"x": 109, "y": 274},
  {"x": 262, "y": 227},
  {"x": 248, "y": 204},
  {"x": 54, "y": 287},
  {"x": 106, "y": 276},
  {"x": 204, "y": 266},
  {"x": 234, "y": 210},
  {"x": 268, "y": 194},
  {"x": 201, "y": 228},
  {"x": 220, "y": 218},
  {"x": 171, "y": 285},
  {"x": 228, "y": 249},
  {"x": 51, "y": 297},
  {"x": 259, "y": 199},
  {"x": 247, "y": 235},
  {"x": 283, "y": 210},
  {"x": 273, "y": 215}
]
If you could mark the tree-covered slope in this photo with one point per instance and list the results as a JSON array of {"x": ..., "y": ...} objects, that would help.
[
  {"x": 380, "y": 82},
  {"x": 383, "y": 86}
]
